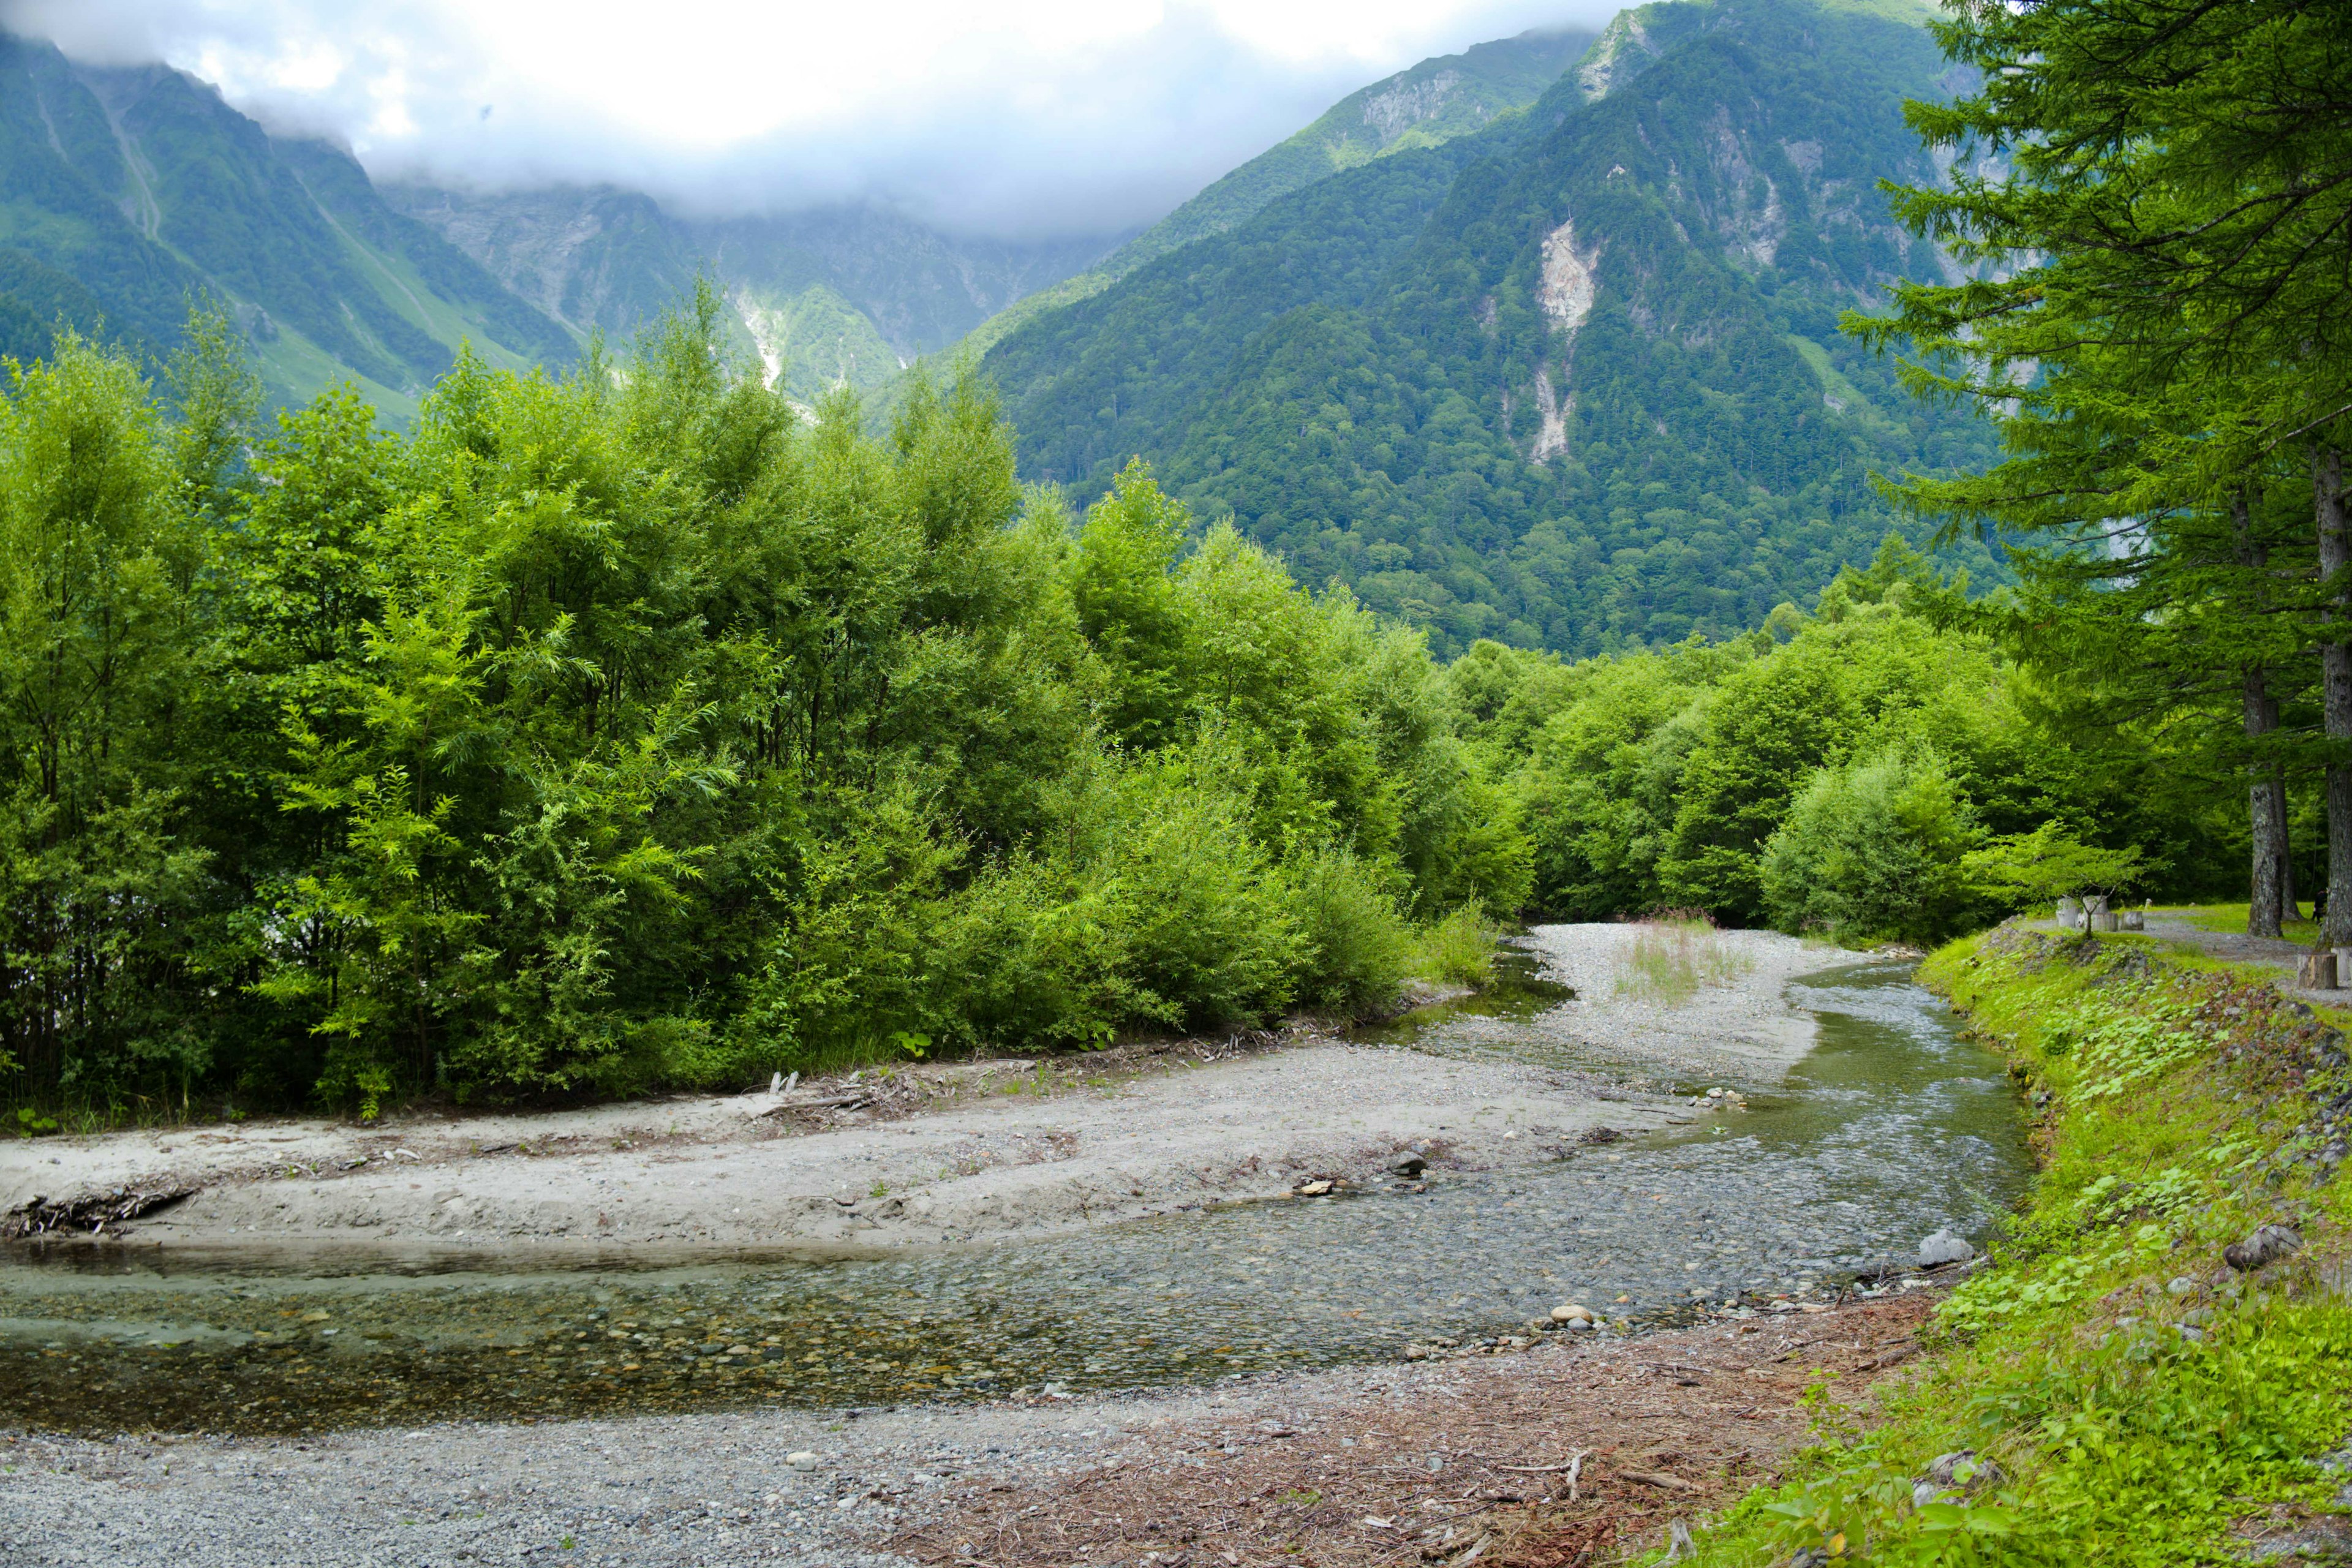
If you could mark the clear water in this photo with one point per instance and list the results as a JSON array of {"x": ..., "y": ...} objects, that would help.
[{"x": 1892, "y": 1127}]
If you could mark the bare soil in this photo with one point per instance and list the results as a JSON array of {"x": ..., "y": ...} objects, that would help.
[{"x": 1568, "y": 1454}]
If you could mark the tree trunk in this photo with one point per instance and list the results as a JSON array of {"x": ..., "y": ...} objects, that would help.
[
  {"x": 2265, "y": 801},
  {"x": 2272, "y": 896},
  {"x": 2288, "y": 901},
  {"x": 2336, "y": 677}
]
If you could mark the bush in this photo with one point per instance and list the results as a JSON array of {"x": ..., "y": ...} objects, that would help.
[
  {"x": 1353, "y": 945},
  {"x": 1873, "y": 850},
  {"x": 1459, "y": 948}
]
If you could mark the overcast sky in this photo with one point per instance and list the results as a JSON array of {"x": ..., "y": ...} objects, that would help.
[{"x": 1023, "y": 116}]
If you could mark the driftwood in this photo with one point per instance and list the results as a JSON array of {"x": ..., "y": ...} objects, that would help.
[
  {"x": 848, "y": 1099},
  {"x": 91, "y": 1212}
]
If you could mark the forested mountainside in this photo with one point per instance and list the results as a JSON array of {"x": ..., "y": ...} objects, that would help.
[
  {"x": 125, "y": 192},
  {"x": 1574, "y": 380},
  {"x": 1442, "y": 98},
  {"x": 830, "y": 296}
]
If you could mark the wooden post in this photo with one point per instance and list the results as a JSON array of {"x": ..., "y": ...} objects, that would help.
[{"x": 2318, "y": 971}]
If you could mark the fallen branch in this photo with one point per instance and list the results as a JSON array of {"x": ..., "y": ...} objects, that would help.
[
  {"x": 1654, "y": 1478},
  {"x": 92, "y": 1212}
]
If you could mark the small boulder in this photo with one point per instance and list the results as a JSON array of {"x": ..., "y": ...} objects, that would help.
[
  {"x": 1944, "y": 1248},
  {"x": 2265, "y": 1247},
  {"x": 1571, "y": 1314},
  {"x": 1408, "y": 1164},
  {"x": 1315, "y": 1189},
  {"x": 802, "y": 1461},
  {"x": 1952, "y": 1475}
]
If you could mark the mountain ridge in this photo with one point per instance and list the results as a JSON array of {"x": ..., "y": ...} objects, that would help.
[
  {"x": 146, "y": 191},
  {"x": 1545, "y": 383},
  {"x": 1426, "y": 104}
]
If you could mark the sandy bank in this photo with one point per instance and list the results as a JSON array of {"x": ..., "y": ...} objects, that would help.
[
  {"x": 977, "y": 1151},
  {"x": 959, "y": 1153}
]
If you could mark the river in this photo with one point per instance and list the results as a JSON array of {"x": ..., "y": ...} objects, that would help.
[{"x": 1893, "y": 1126}]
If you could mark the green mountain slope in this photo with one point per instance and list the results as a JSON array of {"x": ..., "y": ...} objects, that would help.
[
  {"x": 830, "y": 296},
  {"x": 1425, "y": 106},
  {"x": 1574, "y": 380},
  {"x": 125, "y": 192}
]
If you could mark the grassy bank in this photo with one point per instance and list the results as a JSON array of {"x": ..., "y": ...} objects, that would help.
[{"x": 2133, "y": 1398}]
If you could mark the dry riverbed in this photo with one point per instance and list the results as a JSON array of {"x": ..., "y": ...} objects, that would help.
[
  {"x": 926, "y": 1155},
  {"x": 973, "y": 1151}
]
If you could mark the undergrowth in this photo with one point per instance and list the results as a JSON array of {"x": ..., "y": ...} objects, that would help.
[
  {"x": 2132, "y": 1399},
  {"x": 1458, "y": 949}
]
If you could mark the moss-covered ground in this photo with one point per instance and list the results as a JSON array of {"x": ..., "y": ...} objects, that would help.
[{"x": 2130, "y": 1397}]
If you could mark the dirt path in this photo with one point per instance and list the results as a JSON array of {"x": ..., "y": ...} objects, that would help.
[{"x": 1551, "y": 1457}]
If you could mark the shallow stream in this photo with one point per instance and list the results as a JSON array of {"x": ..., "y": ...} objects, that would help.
[{"x": 1893, "y": 1127}]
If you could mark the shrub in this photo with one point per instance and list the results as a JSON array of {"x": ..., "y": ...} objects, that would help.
[
  {"x": 1873, "y": 850},
  {"x": 1458, "y": 949},
  {"x": 1353, "y": 945}
]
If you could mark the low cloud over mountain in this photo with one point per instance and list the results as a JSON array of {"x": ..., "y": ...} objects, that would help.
[{"x": 1041, "y": 118}]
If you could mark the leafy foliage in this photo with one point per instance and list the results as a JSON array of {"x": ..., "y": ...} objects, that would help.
[
  {"x": 621, "y": 730},
  {"x": 1853, "y": 772}
]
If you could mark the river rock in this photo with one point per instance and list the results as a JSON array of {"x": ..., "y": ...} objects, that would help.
[
  {"x": 2265, "y": 1247},
  {"x": 1571, "y": 1314},
  {"x": 1314, "y": 1189},
  {"x": 1959, "y": 1472},
  {"x": 1408, "y": 1164},
  {"x": 1944, "y": 1248},
  {"x": 804, "y": 1460}
]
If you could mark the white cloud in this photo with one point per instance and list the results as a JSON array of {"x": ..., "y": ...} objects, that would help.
[{"x": 1032, "y": 116}]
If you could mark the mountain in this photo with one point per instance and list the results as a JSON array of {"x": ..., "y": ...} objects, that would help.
[
  {"x": 1573, "y": 380},
  {"x": 1429, "y": 104},
  {"x": 126, "y": 192},
  {"x": 830, "y": 296}
]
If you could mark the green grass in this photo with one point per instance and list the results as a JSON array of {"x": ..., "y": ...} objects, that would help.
[
  {"x": 1669, "y": 960},
  {"x": 2230, "y": 919},
  {"x": 2176, "y": 1111}
]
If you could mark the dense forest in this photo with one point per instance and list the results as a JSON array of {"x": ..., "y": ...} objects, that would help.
[{"x": 620, "y": 730}]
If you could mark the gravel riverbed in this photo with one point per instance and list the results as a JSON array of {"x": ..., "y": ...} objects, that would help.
[{"x": 501, "y": 1399}]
